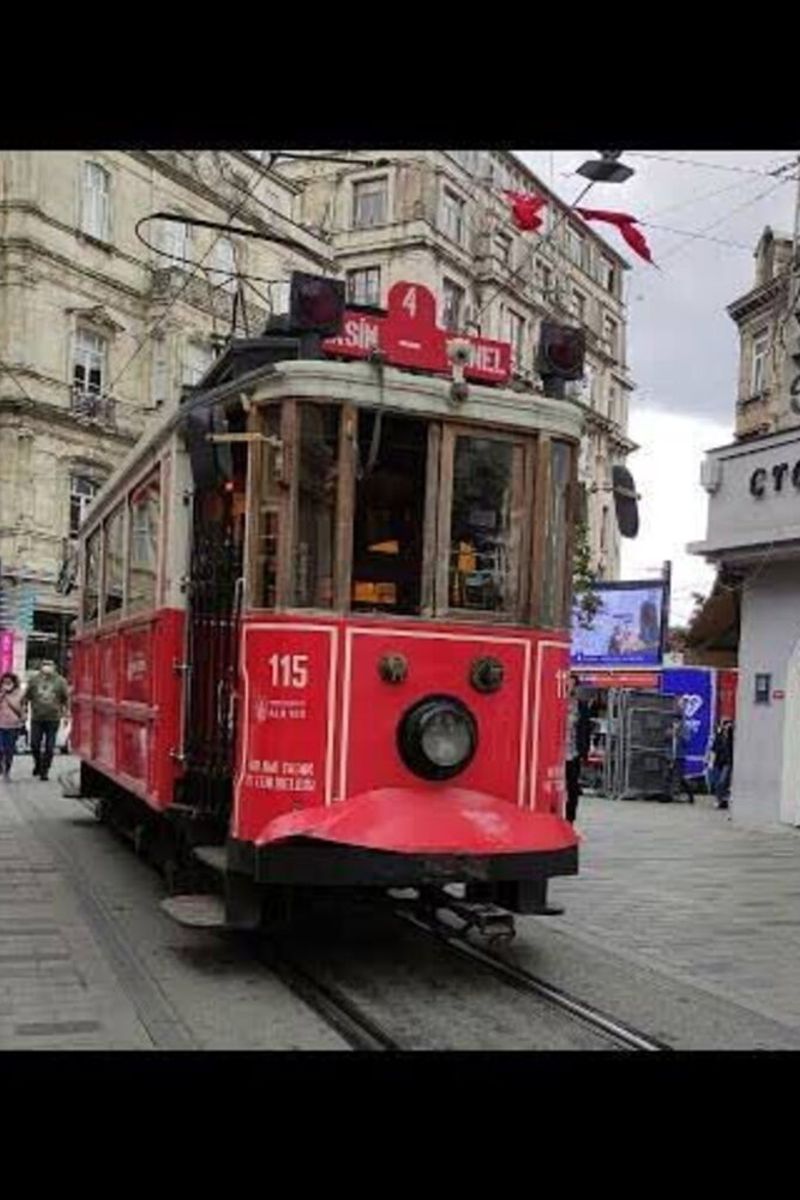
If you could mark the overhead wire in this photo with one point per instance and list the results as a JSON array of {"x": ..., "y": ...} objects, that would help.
[
  {"x": 258, "y": 175},
  {"x": 709, "y": 166}
]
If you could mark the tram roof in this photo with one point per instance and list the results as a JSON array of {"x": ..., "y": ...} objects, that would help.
[{"x": 365, "y": 385}]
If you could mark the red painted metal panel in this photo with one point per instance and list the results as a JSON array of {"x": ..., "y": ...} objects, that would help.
[
  {"x": 287, "y": 721},
  {"x": 438, "y": 661},
  {"x": 139, "y": 668},
  {"x": 127, "y": 713},
  {"x": 453, "y": 820},
  {"x": 727, "y": 683},
  {"x": 107, "y": 660},
  {"x": 408, "y": 336},
  {"x": 341, "y": 740},
  {"x": 135, "y": 749},
  {"x": 549, "y": 729}
]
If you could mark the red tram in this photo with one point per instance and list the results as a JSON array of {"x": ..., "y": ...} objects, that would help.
[{"x": 323, "y": 634}]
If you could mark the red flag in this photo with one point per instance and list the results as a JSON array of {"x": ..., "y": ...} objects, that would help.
[
  {"x": 625, "y": 224},
  {"x": 525, "y": 209}
]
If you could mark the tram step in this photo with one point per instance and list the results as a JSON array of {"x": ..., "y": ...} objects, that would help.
[
  {"x": 213, "y": 856},
  {"x": 196, "y": 911}
]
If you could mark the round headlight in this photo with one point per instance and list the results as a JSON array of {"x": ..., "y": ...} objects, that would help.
[{"x": 438, "y": 737}]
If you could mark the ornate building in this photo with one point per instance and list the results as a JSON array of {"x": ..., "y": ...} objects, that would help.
[
  {"x": 439, "y": 218},
  {"x": 97, "y": 331}
]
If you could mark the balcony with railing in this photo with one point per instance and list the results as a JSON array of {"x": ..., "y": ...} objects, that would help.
[{"x": 92, "y": 406}]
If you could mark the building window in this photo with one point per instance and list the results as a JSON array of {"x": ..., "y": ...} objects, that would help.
[
  {"x": 82, "y": 491},
  {"x": 197, "y": 360},
  {"x": 515, "y": 325},
  {"x": 89, "y": 362},
  {"x": 502, "y": 246},
  {"x": 364, "y": 286},
  {"x": 453, "y": 215},
  {"x": 95, "y": 201},
  {"x": 453, "y": 304},
  {"x": 759, "y": 367},
  {"x": 159, "y": 382},
  {"x": 613, "y": 405},
  {"x": 173, "y": 240},
  {"x": 608, "y": 274},
  {"x": 610, "y": 336},
  {"x": 370, "y": 203},
  {"x": 224, "y": 265},
  {"x": 544, "y": 277},
  {"x": 579, "y": 306},
  {"x": 576, "y": 246}
]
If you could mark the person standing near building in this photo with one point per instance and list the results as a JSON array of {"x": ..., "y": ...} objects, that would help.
[
  {"x": 11, "y": 719},
  {"x": 579, "y": 726},
  {"x": 723, "y": 763},
  {"x": 47, "y": 694}
]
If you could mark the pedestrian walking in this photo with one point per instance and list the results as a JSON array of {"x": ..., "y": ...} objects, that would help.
[
  {"x": 47, "y": 694},
  {"x": 11, "y": 719},
  {"x": 723, "y": 763},
  {"x": 579, "y": 728}
]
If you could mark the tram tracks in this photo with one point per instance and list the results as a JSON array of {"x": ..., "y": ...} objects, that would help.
[
  {"x": 620, "y": 1033},
  {"x": 330, "y": 998}
]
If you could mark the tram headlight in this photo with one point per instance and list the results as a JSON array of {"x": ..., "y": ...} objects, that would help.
[{"x": 437, "y": 737}]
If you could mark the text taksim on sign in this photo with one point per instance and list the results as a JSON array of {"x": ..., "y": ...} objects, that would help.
[{"x": 408, "y": 336}]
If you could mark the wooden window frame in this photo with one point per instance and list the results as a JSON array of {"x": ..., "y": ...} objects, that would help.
[{"x": 520, "y": 503}]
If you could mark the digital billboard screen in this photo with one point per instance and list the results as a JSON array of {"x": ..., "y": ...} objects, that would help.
[{"x": 626, "y": 628}]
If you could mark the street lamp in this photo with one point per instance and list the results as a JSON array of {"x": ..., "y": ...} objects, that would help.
[{"x": 606, "y": 169}]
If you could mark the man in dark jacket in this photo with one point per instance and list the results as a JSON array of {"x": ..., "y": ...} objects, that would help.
[
  {"x": 723, "y": 763},
  {"x": 47, "y": 695}
]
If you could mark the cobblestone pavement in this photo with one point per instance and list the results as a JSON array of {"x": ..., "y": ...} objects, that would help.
[
  {"x": 679, "y": 922},
  {"x": 680, "y": 890},
  {"x": 89, "y": 961}
]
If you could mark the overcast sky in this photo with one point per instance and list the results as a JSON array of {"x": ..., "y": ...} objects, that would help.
[{"x": 682, "y": 345}]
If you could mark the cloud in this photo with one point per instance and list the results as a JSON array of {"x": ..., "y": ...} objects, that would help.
[{"x": 673, "y": 506}]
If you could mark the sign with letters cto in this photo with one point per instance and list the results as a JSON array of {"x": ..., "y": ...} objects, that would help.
[
  {"x": 406, "y": 335},
  {"x": 287, "y": 696},
  {"x": 697, "y": 692}
]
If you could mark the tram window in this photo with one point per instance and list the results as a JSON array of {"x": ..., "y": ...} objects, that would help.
[
  {"x": 482, "y": 557},
  {"x": 389, "y": 513},
  {"x": 145, "y": 506},
  {"x": 91, "y": 589},
  {"x": 316, "y": 506},
  {"x": 266, "y": 544},
  {"x": 112, "y": 595},
  {"x": 554, "y": 574}
]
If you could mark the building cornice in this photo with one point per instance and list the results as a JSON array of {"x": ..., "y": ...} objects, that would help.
[
  {"x": 54, "y": 415},
  {"x": 758, "y": 298}
]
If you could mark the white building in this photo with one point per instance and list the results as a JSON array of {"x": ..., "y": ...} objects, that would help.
[{"x": 754, "y": 534}]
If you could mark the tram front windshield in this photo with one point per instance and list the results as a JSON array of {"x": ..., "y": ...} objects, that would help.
[{"x": 389, "y": 513}]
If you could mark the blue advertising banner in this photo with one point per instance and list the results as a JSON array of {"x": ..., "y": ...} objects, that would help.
[
  {"x": 697, "y": 690},
  {"x": 626, "y": 629}
]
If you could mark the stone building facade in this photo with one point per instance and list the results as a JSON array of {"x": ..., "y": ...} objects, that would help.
[
  {"x": 97, "y": 331},
  {"x": 439, "y": 218}
]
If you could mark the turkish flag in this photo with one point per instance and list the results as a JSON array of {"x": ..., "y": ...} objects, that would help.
[
  {"x": 625, "y": 224},
  {"x": 525, "y": 208}
]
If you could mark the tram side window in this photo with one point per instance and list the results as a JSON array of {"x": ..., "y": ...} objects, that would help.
[
  {"x": 266, "y": 547},
  {"x": 91, "y": 588},
  {"x": 389, "y": 513},
  {"x": 145, "y": 510},
  {"x": 112, "y": 595},
  {"x": 482, "y": 557},
  {"x": 554, "y": 574},
  {"x": 316, "y": 506}
]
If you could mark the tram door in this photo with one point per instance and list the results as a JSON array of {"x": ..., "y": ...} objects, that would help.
[{"x": 214, "y": 604}]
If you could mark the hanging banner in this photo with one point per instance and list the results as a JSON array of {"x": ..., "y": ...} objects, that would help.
[{"x": 696, "y": 691}]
